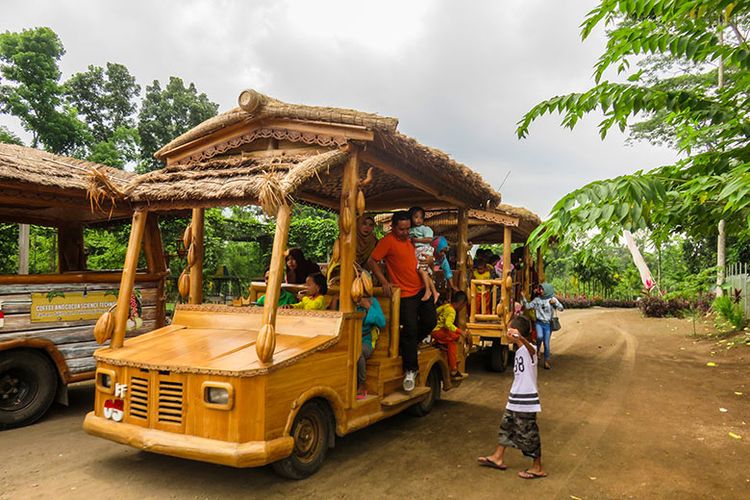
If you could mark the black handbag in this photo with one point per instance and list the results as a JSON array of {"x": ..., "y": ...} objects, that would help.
[{"x": 554, "y": 323}]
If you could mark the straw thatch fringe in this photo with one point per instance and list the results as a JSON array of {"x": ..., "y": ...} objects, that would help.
[
  {"x": 29, "y": 165},
  {"x": 101, "y": 187},
  {"x": 268, "y": 181},
  {"x": 268, "y": 107}
]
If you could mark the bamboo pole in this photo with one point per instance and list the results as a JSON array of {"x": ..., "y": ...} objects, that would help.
[
  {"x": 23, "y": 248},
  {"x": 348, "y": 235},
  {"x": 504, "y": 288},
  {"x": 266, "y": 342},
  {"x": 128, "y": 277},
  {"x": 196, "y": 270},
  {"x": 526, "y": 270},
  {"x": 462, "y": 251}
]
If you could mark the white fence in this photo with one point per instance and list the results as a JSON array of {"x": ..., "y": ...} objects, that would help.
[{"x": 737, "y": 279}]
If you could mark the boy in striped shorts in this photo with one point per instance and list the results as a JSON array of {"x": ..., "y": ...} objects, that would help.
[{"x": 518, "y": 428}]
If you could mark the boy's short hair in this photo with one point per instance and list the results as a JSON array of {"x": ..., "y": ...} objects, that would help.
[
  {"x": 459, "y": 297},
  {"x": 522, "y": 324},
  {"x": 399, "y": 216}
]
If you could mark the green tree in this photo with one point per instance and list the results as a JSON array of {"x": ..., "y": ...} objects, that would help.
[
  {"x": 8, "y": 137},
  {"x": 167, "y": 113},
  {"x": 708, "y": 122},
  {"x": 33, "y": 93},
  {"x": 106, "y": 99}
]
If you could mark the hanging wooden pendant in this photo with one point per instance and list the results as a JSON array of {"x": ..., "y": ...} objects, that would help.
[
  {"x": 104, "y": 327},
  {"x": 183, "y": 284},
  {"x": 360, "y": 203},
  {"x": 187, "y": 236}
]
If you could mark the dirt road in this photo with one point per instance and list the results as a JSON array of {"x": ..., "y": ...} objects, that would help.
[{"x": 630, "y": 409}]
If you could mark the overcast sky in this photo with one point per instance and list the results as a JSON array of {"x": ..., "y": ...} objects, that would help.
[{"x": 458, "y": 75}]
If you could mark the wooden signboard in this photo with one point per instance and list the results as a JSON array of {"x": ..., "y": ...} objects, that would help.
[{"x": 71, "y": 305}]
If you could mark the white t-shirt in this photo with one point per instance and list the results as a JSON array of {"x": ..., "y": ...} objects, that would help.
[{"x": 524, "y": 395}]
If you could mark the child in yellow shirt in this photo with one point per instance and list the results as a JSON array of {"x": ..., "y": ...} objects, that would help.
[
  {"x": 447, "y": 333},
  {"x": 314, "y": 296}
]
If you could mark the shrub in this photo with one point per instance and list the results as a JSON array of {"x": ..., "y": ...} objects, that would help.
[
  {"x": 730, "y": 311},
  {"x": 654, "y": 306}
]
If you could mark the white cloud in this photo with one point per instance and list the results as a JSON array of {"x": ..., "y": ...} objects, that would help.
[{"x": 458, "y": 75}]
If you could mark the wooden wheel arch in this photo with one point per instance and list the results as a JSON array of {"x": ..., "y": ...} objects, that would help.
[{"x": 52, "y": 352}]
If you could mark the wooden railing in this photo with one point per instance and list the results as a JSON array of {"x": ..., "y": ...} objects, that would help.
[{"x": 485, "y": 296}]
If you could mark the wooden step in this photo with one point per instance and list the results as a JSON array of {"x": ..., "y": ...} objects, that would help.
[{"x": 401, "y": 396}]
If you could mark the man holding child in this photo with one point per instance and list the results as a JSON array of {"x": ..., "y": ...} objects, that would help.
[{"x": 418, "y": 317}]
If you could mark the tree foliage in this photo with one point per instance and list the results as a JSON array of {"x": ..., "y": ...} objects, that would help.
[
  {"x": 710, "y": 125},
  {"x": 168, "y": 113},
  {"x": 32, "y": 91}
]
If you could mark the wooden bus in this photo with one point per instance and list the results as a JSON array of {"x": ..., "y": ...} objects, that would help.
[
  {"x": 47, "y": 319},
  {"x": 248, "y": 386}
]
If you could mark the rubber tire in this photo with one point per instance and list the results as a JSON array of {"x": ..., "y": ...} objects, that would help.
[
  {"x": 499, "y": 357},
  {"x": 39, "y": 375},
  {"x": 314, "y": 415},
  {"x": 434, "y": 381}
]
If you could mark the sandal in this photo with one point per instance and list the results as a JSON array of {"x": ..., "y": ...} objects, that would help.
[
  {"x": 488, "y": 462},
  {"x": 527, "y": 474}
]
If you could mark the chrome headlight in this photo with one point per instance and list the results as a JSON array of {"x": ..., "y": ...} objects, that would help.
[{"x": 217, "y": 395}]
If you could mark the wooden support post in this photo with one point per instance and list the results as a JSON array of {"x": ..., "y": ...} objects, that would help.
[
  {"x": 157, "y": 264},
  {"x": 462, "y": 250},
  {"x": 526, "y": 270},
  {"x": 196, "y": 271},
  {"x": 70, "y": 249},
  {"x": 128, "y": 277},
  {"x": 540, "y": 265},
  {"x": 266, "y": 342},
  {"x": 23, "y": 248},
  {"x": 505, "y": 290},
  {"x": 348, "y": 236}
]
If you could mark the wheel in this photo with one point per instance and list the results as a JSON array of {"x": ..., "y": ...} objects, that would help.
[
  {"x": 499, "y": 356},
  {"x": 425, "y": 406},
  {"x": 311, "y": 432},
  {"x": 28, "y": 383}
]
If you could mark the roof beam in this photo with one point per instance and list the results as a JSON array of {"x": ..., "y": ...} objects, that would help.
[{"x": 402, "y": 172}]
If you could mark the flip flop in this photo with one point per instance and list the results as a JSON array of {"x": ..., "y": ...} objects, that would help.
[
  {"x": 488, "y": 462},
  {"x": 526, "y": 474}
]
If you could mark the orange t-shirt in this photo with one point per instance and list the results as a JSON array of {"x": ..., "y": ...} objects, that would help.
[{"x": 400, "y": 262}]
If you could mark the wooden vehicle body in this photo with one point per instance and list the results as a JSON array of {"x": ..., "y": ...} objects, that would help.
[
  {"x": 247, "y": 386},
  {"x": 45, "y": 342}
]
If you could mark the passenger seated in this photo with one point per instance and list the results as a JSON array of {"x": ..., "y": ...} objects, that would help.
[
  {"x": 313, "y": 297},
  {"x": 298, "y": 268},
  {"x": 374, "y": 320},
  {"x": 285, "y": 298},
  {"x": 447, "y": 333}
]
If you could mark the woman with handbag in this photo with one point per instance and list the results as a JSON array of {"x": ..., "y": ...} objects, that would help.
[{"x": 544, "y": 305}]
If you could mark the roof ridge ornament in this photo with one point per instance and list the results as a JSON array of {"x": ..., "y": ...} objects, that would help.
[{"x": 251, "y": 100}]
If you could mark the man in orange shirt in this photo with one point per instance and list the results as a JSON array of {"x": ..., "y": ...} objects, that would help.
[{"x": 418, "y": 317}]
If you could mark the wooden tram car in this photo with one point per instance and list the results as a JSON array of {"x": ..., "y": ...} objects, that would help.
[
  {"x": 248, "y": 386},
  {"x": 508, "y": 225},
  {"x": 46, "y": 325}
]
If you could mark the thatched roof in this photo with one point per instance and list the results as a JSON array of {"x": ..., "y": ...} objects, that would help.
[
  {"x": 485, "y": 226},
  {"x": 218, "y": 161},
  {"x": 235, "y": 179},
  {"x": 43, "y": 187},
  {"x": 257, "y": 106}
]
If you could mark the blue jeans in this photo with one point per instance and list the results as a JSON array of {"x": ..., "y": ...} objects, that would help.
[{"x": 543, "y": 334}]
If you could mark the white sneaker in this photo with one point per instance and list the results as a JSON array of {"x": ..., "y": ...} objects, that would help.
[{"x": 410, "y": 380}]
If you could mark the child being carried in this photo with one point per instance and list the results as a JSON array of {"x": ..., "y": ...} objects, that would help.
[{"x": 421, "y": 236}]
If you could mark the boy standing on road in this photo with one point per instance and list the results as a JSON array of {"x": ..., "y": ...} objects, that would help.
[{"x": 518, "y": 428}]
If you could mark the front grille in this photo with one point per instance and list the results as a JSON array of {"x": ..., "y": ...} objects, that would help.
[
  {"x": 170, "y": 402},
  {"x": 139, "y": 397}
]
